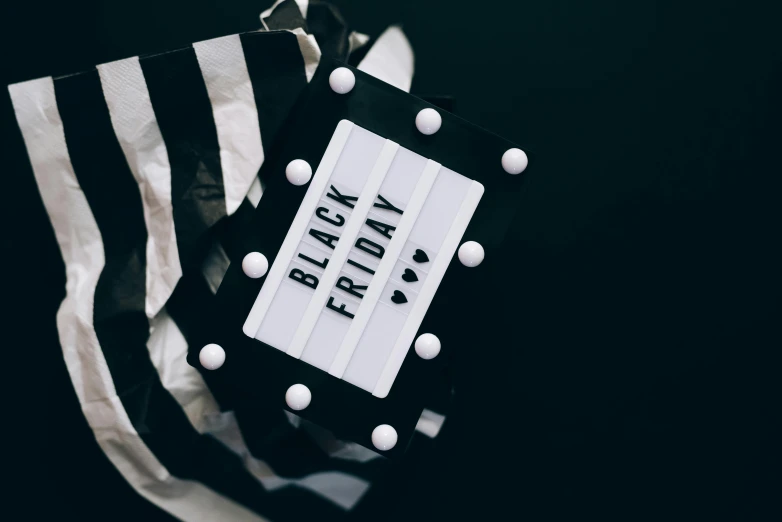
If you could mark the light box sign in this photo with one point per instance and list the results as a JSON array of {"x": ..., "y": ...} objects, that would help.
[
  {"x": 367, "y": 273},
  {"x": 363, "y": 258}
]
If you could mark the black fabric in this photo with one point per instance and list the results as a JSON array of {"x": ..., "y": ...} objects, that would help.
[
  {"x": 277, "y": 78},
  {"x": 192, "y": 307},
  {"x": 184, "y": 115},
  {"x": 447, "y": 103},
  {"x": 286, "y": 15},
  {"x": 232, "y": 231},
  {"x": 291, "y": 451},
  {"x": 357, "y": 56},
  {"x": 330, "y": 29}
]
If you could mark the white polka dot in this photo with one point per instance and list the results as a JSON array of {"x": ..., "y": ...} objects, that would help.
[
  {"x": 514, "y": 161},
  {"x": 428, "y": 121},
  {"x": 211, "y": 356},
  {"x": 471, "y": 253},
  {"x": 255, "y": 265},
  {"x": 298, "y": 397},
  {"x": 427, "y": 346},
  {"x": 384, "y": 437},
  {"x": 298, "y": 172},
  {"x": 342, "y": 80}
]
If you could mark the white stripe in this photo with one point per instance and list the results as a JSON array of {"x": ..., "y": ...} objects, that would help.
[
  {"x": 303, "y": 7},
  {"x": 430, "y": 423},
  {"x": 137, "y": 131},
  {"x": 82, "y": 250},
  {"x": 297, "y": 228},
  {"x": 383, "y": 272},
  {"x": 224, "y": 70},
  {"x": 255, "y": 192},
  {"x": 215, "y": 266},
  {"x": 340, "y": 254},
  {"x": 310, "y": 51},
  {"x": 425, "y": 296},
  {"x": 356, "y": 41},
  {"x": 390, "y": 59}
]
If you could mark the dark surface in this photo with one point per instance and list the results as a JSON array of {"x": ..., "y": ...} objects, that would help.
[{"x": 642, "y": 382}]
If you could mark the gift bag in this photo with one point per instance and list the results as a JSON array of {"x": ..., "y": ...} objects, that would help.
[{"x": 148, "y": 171}]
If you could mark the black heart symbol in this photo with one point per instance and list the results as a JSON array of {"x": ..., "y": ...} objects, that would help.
[
  {"x": 398, "y": 297},
  {"x": 409, "y": 276},
  {"x": 420, "y": 256}
]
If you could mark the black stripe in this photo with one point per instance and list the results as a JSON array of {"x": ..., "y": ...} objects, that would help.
[
  {"x": 330, "y": 30},
  {"x": 276, "y": 69},
  {"x": 111, "y": 191},
  {"x": 286, "y": 15},
  {"x": 120, "y": 321},
  {"x": 73, "y": 452},
  {"x": 357, "y": 56},
  {"x": 184, "y": 115},
  {"x": 192, "y": 308},
  {"x": 235, "y": 231}
]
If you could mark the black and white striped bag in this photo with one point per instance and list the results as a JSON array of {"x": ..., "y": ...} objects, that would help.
[{"x": 147, "y": 168}]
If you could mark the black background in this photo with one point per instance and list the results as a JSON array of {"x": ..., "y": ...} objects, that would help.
[{"x": 642, "y": 382}]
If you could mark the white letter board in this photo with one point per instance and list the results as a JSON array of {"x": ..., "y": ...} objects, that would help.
[{"x": 363, "y": 258}]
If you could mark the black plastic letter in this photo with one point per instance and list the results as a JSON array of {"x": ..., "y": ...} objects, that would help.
[
  {"x": 304, "y": 278},
  {"x": 339, "y": 309},
  {"x": 337, "y": 221},
  {"x": 381, "y": 228},
  {"x": 321, "y": 264},
  {"x": 349, "y": 287},
  {"x": 386, "y": 205},
  {"x": 324, "y": 237},
  {"x": 341, "y": 198}
]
